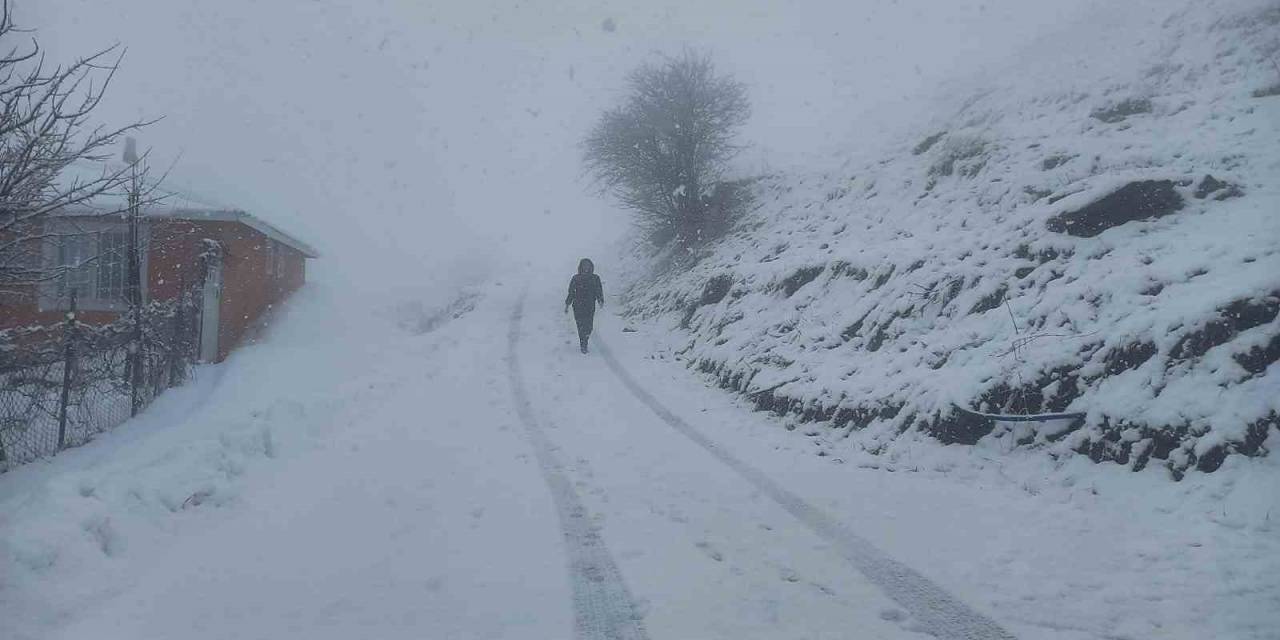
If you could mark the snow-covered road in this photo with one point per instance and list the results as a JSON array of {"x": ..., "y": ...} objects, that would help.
[
  {"x": 614, "y": 432},
  {"x": 485, "y": 480}
]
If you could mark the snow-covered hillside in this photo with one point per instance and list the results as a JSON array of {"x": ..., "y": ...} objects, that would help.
[{"x": 1094, "y": 229}]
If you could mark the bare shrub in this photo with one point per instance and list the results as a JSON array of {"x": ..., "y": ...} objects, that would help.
[{"x": 663, "y": 153}]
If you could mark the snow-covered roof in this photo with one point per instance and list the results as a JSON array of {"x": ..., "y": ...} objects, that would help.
[{"x": 165, "y": 202}]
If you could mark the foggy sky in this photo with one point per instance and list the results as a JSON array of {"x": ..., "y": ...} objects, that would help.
[{"x": 402, "y": 136}]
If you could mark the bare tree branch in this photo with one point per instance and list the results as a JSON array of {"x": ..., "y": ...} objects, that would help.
[
  {"x": 663, "y": 153},
  {"x": 45, "y": 130}
]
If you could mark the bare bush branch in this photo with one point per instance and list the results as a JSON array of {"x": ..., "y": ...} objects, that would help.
[
  {"x": 663, "y": 153},
  {"x": 45, "y": 129}
]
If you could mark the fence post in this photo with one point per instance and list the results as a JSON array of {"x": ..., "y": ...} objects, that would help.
[
  {"x": 135, "y": 366},
  {"x": 68, "y": 363},
  {"x": 136, "y": 351},
  {"x": 176, "y": 373}
]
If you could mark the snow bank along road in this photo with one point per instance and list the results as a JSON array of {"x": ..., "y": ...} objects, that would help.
[{"x": 460, "y": 485}]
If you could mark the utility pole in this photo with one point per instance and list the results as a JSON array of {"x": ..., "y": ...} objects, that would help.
[
  {"x": 68, "y": 366},
  {"x": 134, "y": 284}
]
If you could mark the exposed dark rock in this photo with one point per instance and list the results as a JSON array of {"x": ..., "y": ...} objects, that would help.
[
  {"x": 965, "y": 157},
  {"x": 1133, "y": 201},
  {"x": 990, "y": 302},
  {"x": 1023, "y": 272},
  {"x": 953, "y": 289},
  {"x": 1108, "y": 445},
  {"x": 1121, "y": 110},
  {"x": 883, "y": 278},
  {"x": 1143, "y": 456},
  {"x": 927, "y": 144},
  {"x": 1232, "y": 319},
  {"x": 1256, "y": 434},
  {"x": 1055, "y": 161},
  {"x": 1212, "y": 459},
  {"x": 1050, "y": 254},
  {"x": 1008, "y": 400},
  {"x": 716, "y": 289},
  {"x": 1107, "y": 442},
  {"x": 1107, "y": 450},
  {"x": 1198, "y": 342},
  {"x": 1268, "y": 91},
  {"x": 1219, "y": 189},
  {"x": 1164, "y": 441},
  {"x": 842, "y": 268},
  {"x": 800, "y": 278},
  {"x": 854, "y": 330},
  {"x": 1247, "y": 314},
  {"x": 688, "y": 316},
  {"x": 877, "y": 339},
  {"x": 1257, "y": 359},
  {"x": 854, "y": 418},
  {"x": 1122, "y": 439},
  {"x": 1037, "y": 194},
  {"x": 1130, "y": 356},
  {"x": 1068, "y": 390},
  {"x": 959, "y": 427}
]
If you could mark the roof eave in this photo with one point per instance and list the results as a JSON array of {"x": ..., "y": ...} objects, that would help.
[{"x": 203, "y": 215}]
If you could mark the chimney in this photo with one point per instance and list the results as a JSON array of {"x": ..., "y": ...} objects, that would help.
[{"x": 130, "y": 150}]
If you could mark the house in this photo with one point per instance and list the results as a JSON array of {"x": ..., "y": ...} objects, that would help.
[{"x": 233, "y": 266}]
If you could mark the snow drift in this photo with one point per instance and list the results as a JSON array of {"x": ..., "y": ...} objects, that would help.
[{"x": 1091, "y": 232}]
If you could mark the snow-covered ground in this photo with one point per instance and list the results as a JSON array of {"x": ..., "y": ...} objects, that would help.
[
  {"x": 876, "y": 291},
  {"x": 392, "y": 486}
]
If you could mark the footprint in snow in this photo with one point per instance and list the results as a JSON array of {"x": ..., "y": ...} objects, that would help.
[
  {"x": 710, "y": 551},
  {"x": 893, "y": 615}
]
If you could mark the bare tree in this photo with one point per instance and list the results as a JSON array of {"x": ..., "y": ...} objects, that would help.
[
  {"x": 45, "y": 128},
  {"x": 663, "y": 153}
]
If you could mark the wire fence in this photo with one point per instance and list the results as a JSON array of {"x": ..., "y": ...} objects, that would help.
[{"x": 60, "y": 385}]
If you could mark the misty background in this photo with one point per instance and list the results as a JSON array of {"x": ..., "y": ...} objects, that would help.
[{"x": 411, "y": 140}]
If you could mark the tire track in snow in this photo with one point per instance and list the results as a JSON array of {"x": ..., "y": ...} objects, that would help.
[
  {"x": 603, "y": 607},
  {"x": 939, "y": 613}
]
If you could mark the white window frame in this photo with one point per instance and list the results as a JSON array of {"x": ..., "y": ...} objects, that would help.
[
  {"x": 54, "y": 297},
  {"x": 281, "y": 253},
  {"x": 271, "y": 249}
]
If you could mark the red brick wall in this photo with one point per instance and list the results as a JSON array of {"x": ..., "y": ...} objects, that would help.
[
  {"x": 173, "y": 258},
  {"x": 23, "y": 314},
  {"x": 250, "y": 288}
]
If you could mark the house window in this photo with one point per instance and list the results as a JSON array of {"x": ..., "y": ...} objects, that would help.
[
  {"x": 75, "y": 261},
  {"x": 271, "y": 251},
  {"x": 279, "y": 260},
  {"x": 113, "y": 264},
  {"x": 91, "y": 259}
]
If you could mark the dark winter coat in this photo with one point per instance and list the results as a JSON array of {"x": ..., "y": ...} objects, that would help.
[{"x": 585, "y": 289}]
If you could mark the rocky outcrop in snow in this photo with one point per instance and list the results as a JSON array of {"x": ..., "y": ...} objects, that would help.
[{"x": 1104, "y": 243}]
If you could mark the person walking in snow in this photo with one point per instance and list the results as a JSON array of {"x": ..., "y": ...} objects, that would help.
[{"x": 585, "y": 290}]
